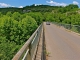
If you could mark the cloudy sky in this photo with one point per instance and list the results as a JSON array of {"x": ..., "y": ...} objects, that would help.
[{"x": 21, "y": 3}]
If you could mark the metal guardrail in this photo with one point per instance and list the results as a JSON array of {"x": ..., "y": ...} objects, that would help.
[
  {"x": 28, "y": 51},
  {"x": 75, "y": 28}
]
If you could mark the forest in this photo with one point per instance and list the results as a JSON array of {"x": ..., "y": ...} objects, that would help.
[{"x": 18, "y": 24}]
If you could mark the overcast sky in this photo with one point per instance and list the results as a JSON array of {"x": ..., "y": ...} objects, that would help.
[{"x": 21, "y": 3}]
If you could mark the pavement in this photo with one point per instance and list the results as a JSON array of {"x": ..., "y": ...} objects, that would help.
[{"x": 61, "y": 44}]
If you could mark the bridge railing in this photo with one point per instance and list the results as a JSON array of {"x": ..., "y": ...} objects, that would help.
[
  {"x": 75, "y": 28},
  {"x": 28, "y": 50}
]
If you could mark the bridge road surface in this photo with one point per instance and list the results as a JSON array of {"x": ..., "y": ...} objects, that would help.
[{"x": 61, "y": 44}]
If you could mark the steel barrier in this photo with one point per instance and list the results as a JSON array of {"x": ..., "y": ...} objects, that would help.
[
  {"x": 75, "y": 28},
  {"x": 28, "y": 50}
]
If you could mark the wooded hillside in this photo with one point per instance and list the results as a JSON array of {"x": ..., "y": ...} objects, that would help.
[{"x": 18, "y": 24}]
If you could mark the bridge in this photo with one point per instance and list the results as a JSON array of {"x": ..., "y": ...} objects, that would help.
[{"x": 51, "y": 42}]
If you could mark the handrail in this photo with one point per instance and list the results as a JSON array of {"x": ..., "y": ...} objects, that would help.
[
  {"x": 75, "y": 28},
  {"x": 29, "y": 48}
]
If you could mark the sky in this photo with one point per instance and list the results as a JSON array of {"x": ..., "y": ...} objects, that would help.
[{"x": 22, "y": 3}]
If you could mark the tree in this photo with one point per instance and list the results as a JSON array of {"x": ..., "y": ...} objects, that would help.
[{"x": 37, "y": 16}]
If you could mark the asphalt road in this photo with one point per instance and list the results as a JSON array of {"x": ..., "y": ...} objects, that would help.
[{"x": 61, "y": 44}]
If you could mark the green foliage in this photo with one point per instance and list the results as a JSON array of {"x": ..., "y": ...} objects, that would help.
[
  {"x": 8, "y": 49},
  {"x": 37, "y": 16},
  {"x": 15, "y": 29}
]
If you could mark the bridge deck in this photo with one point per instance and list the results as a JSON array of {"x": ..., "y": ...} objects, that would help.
[{"x": 61, "y": 44}]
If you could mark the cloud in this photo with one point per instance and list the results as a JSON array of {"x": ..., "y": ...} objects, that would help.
[
  {"x": 37, "y": 4},
  {"x": 60, "y": 4},
  {"x": 20, "y": 6},
  {"x": 75, "y": 2},
  {"x": 56, "y": 3},
  {"x": 12, "y": 6},
  {"x": 4, "y": 5}
]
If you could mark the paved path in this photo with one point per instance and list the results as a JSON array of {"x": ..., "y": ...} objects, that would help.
[{"x": 61, "y": 44}]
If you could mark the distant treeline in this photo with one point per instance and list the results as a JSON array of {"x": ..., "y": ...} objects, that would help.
[{"x": 39, "y": 8}]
